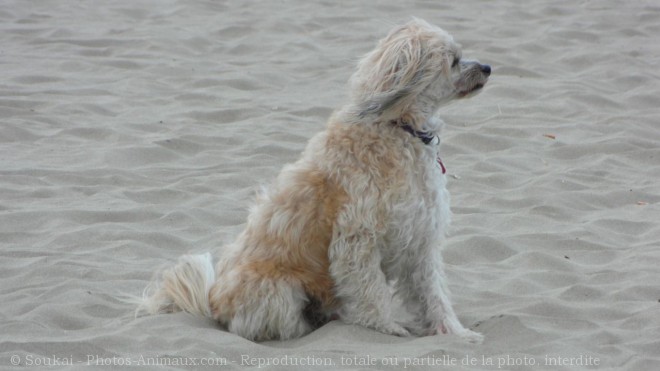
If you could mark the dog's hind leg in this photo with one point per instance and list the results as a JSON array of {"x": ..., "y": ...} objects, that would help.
[{"x": 267, "y": 309}]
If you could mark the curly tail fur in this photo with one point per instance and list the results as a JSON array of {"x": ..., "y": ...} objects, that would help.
[{"x": 184, "y": 286}]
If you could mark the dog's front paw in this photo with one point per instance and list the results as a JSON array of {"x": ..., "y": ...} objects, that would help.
[
  {"x": 471, "y": 336},
  {"x": 468, "y": 335},
  {"x": 455, "y": 328},
  {"x": 420, "y": 329},
  {"x": 393, "y": 329}
]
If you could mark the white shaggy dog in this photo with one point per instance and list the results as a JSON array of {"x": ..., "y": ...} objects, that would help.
[{"x": 358, "y": 217}]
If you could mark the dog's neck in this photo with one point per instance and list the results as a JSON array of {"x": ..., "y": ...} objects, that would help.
[{"x": 427, "y": 137}]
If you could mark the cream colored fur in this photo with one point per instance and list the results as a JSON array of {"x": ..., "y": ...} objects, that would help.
[{"x": 363, "y": 212}]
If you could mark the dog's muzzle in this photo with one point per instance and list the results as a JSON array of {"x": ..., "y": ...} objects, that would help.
[{"x": 474, "y": 76}]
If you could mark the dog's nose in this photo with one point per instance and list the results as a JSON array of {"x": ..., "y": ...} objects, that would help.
[{"x": 485, "y": 69}]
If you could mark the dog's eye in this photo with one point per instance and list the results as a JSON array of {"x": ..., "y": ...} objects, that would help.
[{"x": 455, "y": 62}]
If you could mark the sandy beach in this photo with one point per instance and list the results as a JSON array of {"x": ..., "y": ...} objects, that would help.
[{"x": 132, "y": 132}]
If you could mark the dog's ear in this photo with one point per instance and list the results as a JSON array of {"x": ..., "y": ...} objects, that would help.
[{"x": 380, "y": 103}]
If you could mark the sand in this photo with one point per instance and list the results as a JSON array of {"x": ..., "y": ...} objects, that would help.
[{"x": 132, "y": 132}]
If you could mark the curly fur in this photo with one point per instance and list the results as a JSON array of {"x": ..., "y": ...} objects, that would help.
[{"x": 361, "y": 213}]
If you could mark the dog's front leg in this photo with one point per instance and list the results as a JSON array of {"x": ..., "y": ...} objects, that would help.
[
  {"x": 427, "y": 286},
  {"x": 360, "y": 284}
]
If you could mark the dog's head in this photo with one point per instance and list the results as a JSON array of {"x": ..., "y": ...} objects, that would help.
[{"x": 414, "y": 70}]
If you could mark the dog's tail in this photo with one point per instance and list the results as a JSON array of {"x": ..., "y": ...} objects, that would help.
[{"x": 184, "y": 286}]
